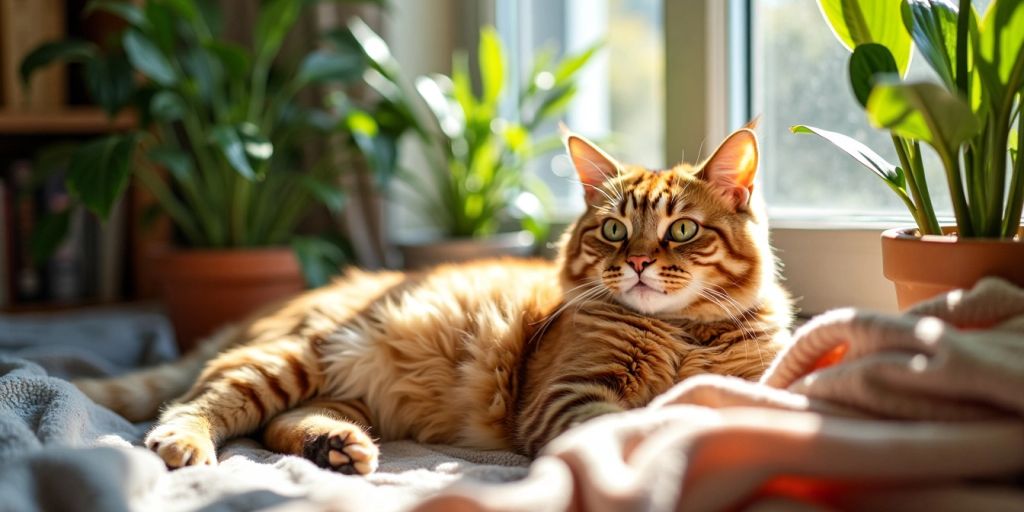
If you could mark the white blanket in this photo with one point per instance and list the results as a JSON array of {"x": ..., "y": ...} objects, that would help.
[{"x": 863, "y": 412}]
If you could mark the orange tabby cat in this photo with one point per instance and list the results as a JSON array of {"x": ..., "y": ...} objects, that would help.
[{"x": 667, "y": 274}]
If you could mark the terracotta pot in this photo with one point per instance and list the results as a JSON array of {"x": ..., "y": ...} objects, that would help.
[
  {"x": 451, "y": 250},
  {"x": 922, "y": 267},
  {"x": 206, "y": 289}
]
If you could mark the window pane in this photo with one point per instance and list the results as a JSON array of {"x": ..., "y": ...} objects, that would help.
[
  {"x": 800, "y": 77},
  {"x": 621, "y": 99}
]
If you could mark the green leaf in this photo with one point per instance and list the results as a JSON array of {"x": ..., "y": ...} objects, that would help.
[
  {"x": 492, "y": 65},
  {"x": 1002, "y": 41},
  {"x": 100, "y": 170},
  {"x": 257, "y": 147},
  {"x": 70, "y": 50},
  {"x": 110, "y": 81},
  {"x": 325, "y": 66},
  {"x": 867, "y": 62},
  {"x": 570, "y": 65},
  {"x": 122, "y": 9},
  {"x": 177, "y": 161},
  {"x": 49, "y": 234},
  {"x": 167, "y": 106},
  {"x": 856, "y": 22},
  {"x": 234, "y": 58},
  {"x": 148, "y": 59},
  {"x": 373, "y": 48},
  {"x": 161, "y": 23},
  {"x": 923, "y": 111},
  {"x": 329, "y": 194},
  {"x": 275, "y": 20},
  {"x": 230, "y": 144},
  {"x": 319, "y": 258},
  {"x": 436, "y": 91},
  {"x": 186, "y": 8},
  {"x": 861, "y": 153},
  {"x": 932, "y": 26}
]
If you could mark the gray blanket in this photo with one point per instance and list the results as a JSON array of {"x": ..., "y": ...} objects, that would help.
[{"x": 60, "y": 451}]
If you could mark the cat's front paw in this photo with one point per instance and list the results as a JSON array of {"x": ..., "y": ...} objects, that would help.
[
  {"x": 345, "y": 449},
  {"x": 180, "y": 447}
]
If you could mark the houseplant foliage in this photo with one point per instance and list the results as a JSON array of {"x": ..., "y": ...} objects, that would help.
[
  {"x": 971, "y": 118},
  {"x": 475, "y": 154},
  {"x": 222, "y": 119}
]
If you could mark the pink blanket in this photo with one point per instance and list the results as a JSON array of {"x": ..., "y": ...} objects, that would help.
[{"x": 863, "y": 411}]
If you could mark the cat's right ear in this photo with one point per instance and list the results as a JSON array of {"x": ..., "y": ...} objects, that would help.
[{"x": 593, "y": 166}]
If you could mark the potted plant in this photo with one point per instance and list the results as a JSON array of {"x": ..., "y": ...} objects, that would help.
[
  {"x": 971, "y": 119},
  {"x": 474, "y": 189},
  {"x": 217, "y": 143}
]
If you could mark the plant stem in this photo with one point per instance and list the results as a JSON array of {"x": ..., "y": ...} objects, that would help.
[
  {"x": 910, "y": 159},
  {"x": 956, "y": 192},
  {"x": 170, "y": 204},
  {"x": 997, "y": 177},
  {"x": 1014, "y": 204},
  {"x": 962, "y": 25}
]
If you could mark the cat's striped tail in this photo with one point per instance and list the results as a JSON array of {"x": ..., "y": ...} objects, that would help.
[{"x": 138, "y": 395}]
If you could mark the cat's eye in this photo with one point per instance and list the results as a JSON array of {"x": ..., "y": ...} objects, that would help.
[
  {"x": 613, "y": 230},
  {"x": 682, "y": 230}
]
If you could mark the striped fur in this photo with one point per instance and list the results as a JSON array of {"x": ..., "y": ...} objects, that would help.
[{"x": 496, "y": 354}]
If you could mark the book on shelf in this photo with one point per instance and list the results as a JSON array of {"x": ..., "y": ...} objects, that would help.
[
  {"x": 87, "y": 265},
  {"x": 24, "y": 25}
]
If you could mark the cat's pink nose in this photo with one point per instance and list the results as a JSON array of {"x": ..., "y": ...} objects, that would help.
[{"x": 639, "y": 263}]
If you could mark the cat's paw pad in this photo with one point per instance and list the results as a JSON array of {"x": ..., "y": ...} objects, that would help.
[
  {"x": 180, "y": 447},
  {"x": 346, "y": 450}
]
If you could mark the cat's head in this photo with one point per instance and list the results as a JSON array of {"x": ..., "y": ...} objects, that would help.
[{"x": 686, "y": 241}]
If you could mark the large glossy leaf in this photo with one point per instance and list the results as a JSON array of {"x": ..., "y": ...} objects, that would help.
[
  {"x": 327, "y": 66},
  {"x": 257, "y": 147},
  {"x": 861, "y": 153},
  {"x": 923, "y": 111},
  {"x": 226, "y": 138},
  {"x": 436, "y": 91},
  {"x": 373, "y": 47},
  {"x": 1002, "y": 40},
  {"x": 70, "y": 50},
  {"x": 167, "y": 106},
  {"x": 100, "y": 170},
  {"x": 867, "y": 63},
  {"x": 147, "y": 58},
  {"x": 932, "y": 26},
  {"x": 492, "y": 65},
  {"x": 856, "y": 22},
  {"x": 110, "y": 81}
]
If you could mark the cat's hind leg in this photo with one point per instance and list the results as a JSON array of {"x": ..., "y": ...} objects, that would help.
[
  {"x": 332, "y": 434},
  {"x": 237, "y": 393}
]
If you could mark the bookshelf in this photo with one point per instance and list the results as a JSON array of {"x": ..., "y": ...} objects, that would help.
[
  {"x": 100, "y": 263},
  {"x": 75, "y": 120}
]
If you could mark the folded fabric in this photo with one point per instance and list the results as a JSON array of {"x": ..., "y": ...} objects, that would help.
[{"x": 863, "y": 411}]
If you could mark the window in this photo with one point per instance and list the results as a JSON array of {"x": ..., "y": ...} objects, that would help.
[
  {"x": 800, "y": 77},
  {"x": 621, "y": 96}
]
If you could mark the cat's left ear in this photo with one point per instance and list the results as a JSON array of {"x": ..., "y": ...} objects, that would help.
[{"x": 731, "y": 168}]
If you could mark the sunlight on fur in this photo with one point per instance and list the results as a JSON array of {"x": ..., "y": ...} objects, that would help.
[{"x": 666, "y": 275}]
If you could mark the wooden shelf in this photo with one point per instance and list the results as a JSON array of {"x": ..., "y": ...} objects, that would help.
[{"x": 74, "y": 120}]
